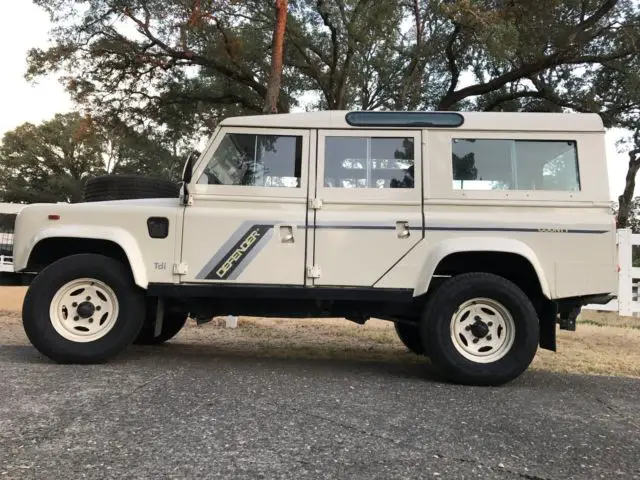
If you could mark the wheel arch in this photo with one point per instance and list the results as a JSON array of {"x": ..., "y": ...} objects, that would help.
[
  {"x": 51, "y": 244},
  {"x": 455, "y": 256}
]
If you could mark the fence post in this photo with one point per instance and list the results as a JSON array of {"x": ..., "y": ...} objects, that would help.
[{"x": 625, "y": 276}]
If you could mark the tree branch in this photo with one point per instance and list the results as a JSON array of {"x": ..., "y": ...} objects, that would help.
[
  {"x": 496, "y": 102},
  {"x": 451, "y": 60},
  {"x": 334, "y": 48},
  {"x": 244, "y": 78},
  {"x": 526, "y": 70}
]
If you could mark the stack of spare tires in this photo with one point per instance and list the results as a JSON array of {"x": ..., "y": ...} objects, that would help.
[{"x": 128, "y": 187}]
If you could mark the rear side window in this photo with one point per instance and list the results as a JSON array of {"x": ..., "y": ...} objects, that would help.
[
  {"x": 369, "y": 162},
  {"x": 501, "y": 164},
  {"x": 256, "y": 160}
]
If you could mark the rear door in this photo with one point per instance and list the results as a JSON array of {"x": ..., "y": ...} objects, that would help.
[
  {"x": 368, "y": 204},
  {"x": 247, "y": 224}
]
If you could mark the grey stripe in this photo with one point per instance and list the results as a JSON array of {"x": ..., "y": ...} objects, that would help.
[
  {"x": 360, "y": 227},
  {"x": 328, "y": 226},
  {"x": 508, "y": 229}
]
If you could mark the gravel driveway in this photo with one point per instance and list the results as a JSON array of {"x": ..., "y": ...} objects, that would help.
[{"x": 182, "y": 412}]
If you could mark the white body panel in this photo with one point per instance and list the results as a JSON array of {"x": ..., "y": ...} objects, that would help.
[
  {"x": 218, "y": 224},
  {"x": 359, "y": 232},
  {"x": 120, "y": 222}
]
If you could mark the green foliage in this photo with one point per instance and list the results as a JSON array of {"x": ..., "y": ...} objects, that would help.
[
  {"x": 46, "y": 163},
  {"x": 50, "y": 162}
]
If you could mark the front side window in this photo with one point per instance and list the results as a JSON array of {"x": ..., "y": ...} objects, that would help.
[
  {"x": 369, "y": 162},
  {"x": 256, "y": 160},
  {"x": 497, "y": 164}
]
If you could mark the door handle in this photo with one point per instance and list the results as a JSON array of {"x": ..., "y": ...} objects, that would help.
[
  {"x": 402, "y": 229},
  {"x": 286, "y": 234}
]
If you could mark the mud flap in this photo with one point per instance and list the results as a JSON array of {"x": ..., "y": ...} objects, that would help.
[
  {"x": 548, "y": 315},
  {"x": 159, "y": 318}
]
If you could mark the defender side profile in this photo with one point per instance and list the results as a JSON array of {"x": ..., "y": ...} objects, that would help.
[{"x": 475, "y": 233}]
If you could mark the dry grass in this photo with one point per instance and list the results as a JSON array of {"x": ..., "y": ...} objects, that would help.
[{"x": 604, "y": 344}]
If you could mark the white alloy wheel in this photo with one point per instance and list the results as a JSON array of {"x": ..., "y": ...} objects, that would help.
[
  {"x": 482, "y": 330},
  {"x": 84, "y": 310}
]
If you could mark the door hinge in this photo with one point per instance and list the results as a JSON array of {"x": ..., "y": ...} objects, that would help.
[
  {"x": 315, "y": 203},
  {"x": 180, "y": 268},
  {"x": 313, "y": 272}
]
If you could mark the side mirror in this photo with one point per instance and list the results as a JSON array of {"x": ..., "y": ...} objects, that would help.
[{"x": 187, "y": 174}]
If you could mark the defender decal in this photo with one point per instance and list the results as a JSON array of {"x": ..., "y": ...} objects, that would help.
[{"x": 232, "y": 258}]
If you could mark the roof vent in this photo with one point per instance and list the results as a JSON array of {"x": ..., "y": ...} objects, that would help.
[{"x": 405, "y": 119}]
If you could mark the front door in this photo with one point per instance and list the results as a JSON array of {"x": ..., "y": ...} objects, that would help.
[
  {"x": 368, "y": 211},
  {"x": 247, "y": 223}
]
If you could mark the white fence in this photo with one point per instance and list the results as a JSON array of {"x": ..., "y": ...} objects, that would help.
[
  {"x": 627, "y": 304},
  {"x": 6, "y": 263}
]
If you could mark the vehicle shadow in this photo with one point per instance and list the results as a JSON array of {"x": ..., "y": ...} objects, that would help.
[{"x": 178, "y": 354}]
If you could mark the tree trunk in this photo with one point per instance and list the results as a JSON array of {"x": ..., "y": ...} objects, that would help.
[
  {"x": 277, "y": 53},
  {"x": 624, "y": 200}
]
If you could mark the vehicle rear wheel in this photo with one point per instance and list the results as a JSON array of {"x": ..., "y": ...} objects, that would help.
[
  {"x": 172, "y": 323},
  {"x": 83, "y": 308},
  {"x": 410, "y": 336},
  {"x": 480, "y": 329}
]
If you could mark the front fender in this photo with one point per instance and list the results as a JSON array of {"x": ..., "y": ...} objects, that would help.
[
  {"x": 117, "y": 235},
  {"x": 478, "y": 244}
]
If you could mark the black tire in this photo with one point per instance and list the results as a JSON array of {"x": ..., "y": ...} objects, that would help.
[
  {"x": 38, "y": 324},
  {"x": 436, "y": 329},
  {"x": 172, "y": 323},
  {"x": 128, "y": 187},
  {"x": 410, "y": 336}
]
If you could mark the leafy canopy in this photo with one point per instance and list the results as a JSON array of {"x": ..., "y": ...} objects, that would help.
[
  {"x": 184, "y": 64},
  {"x": 51, "y": 161}
]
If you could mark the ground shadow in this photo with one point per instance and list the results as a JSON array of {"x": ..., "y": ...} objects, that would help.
[{"x": 182, "y": 354}]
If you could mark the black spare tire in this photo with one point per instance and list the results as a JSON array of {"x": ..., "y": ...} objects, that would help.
[{"x": 128, "y": 187}]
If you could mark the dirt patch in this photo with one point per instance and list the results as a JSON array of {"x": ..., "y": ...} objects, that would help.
[
  {"x": 603, "y": 344},
  {"x": 11, "y": 298}
]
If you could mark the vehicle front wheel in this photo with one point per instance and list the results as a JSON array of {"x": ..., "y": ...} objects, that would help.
[
  {"x": 83, "y": 308},
  {"x": 410, "y": 336},
  {"x": 480, "y": 329}
]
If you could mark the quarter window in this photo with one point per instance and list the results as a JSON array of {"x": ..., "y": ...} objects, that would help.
[
  {"x": 369, "y": 162},
  {"x": 496, "y": 164},
  {"x": 256, "y": 160}
]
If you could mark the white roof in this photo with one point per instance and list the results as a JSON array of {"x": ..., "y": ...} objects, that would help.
[{"x": 520, "y": 121}]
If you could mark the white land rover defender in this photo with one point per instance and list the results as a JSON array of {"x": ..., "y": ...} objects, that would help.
[{"x": 475, "y": 233}]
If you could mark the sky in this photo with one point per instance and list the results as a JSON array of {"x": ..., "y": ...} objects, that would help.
[{"x": 23, "y": 101}]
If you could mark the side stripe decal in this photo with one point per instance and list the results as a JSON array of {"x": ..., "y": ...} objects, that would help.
[
  {"x": 250, "y": 238},
  {"x": 459, "y": 229}
]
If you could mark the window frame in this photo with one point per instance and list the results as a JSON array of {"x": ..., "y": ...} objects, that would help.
[
  {"x": 362, "y": 194},
  {"x": 440, "y": 149},
  {"x": 251, "y": 190}
]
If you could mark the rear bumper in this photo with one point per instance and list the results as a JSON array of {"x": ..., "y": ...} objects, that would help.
[
  {"x": 576, "y": 302},
  {"x": 569, "y": 308}
]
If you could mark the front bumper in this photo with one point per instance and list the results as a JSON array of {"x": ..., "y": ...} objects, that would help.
[{"x": 10, "y": 278}]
